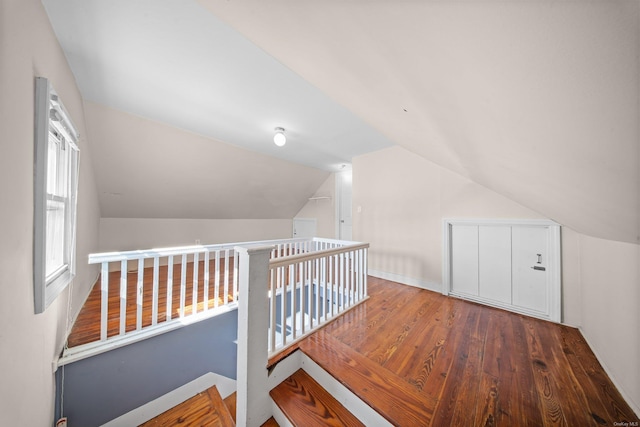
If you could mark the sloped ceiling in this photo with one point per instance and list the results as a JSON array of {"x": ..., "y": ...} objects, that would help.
[
  {"x": 146, "y": 169},
  {"x": 537, "y": 100},
  {"x": 174, "y": 63}
]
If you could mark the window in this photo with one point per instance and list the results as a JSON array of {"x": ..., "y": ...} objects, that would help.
[{"x": 56, "y": 187}]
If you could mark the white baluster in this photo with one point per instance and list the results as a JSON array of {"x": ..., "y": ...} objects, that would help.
[
  {"x": 156, "y": 280},
  {"x": 169, "y": 286},
  {"x": 194, "y": 296},
  {"x": 183, "y": 284},
  {"x": 216, "y": 282},
  {"x": 139, "y": 294},
  {"x": 104, "y": 294},
  {"x": 123, "y": 297},
  {"x": 206, "y": 280}
]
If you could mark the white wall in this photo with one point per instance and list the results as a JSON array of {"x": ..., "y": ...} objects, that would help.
[
  {"x": 536, "y": 100},
  {"x": 29, "y": 343},
  {"x": 399, "y": 201},
  {"x": 124, "y": 234},
  {"x": 403, "y": 199},
  {"x": 323, "y": 210},
  {"x": 610, "y": 275}
]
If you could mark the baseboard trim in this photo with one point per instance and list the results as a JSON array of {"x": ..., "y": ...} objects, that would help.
[
  {"x": 410, "y": 281},
  {"x": 634, "y": 407},
  {"x": 144, "y": 413}
]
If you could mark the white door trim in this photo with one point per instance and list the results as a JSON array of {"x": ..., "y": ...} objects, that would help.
[{"x": 555, "y": 263}]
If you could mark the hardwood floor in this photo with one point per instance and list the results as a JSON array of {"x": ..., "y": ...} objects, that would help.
[
  {"x": 424, "y": 359},
  {"x": 86, "y": 329}
]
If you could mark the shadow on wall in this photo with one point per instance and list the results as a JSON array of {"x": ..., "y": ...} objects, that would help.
[{"x": 406, "y": 264}]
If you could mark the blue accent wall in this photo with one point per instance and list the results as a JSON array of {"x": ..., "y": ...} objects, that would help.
[{"x": 103, "y": 387}]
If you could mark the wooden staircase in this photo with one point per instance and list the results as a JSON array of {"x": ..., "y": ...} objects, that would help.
[
  {"x": 393, "y": 398},
  {"x": 204, "y": 409},
  {"x": 305, "y": 403}
]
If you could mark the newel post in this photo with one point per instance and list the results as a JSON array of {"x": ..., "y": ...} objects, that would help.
[{"x": 253, "y": 407}]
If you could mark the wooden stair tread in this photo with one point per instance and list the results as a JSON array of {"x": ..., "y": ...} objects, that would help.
[
  {"x": 231, "y": 404},
  {"x": 306, "y": 403},
  {"x": 204, "y": 409},
  {"x": 390, "y": 395},
  {"x": 271, "y": 422}
]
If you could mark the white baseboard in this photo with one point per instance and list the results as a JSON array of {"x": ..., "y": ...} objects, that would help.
[
  {"x": 410, "y": 281},
  {"x": 634, "y": 407},
  {"x": 226, "y": 386}
]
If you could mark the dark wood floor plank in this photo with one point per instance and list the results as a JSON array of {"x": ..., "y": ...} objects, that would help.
[
  {"x": 483, "y": 366},
  {"x": 594, "y": 405},
  {"x": 306, "y": 404},
  {"x": 607, "y": 392},
  {"x": 453, "y": 379},
  {"x": 546, "y": 384},
  {"x": 467, "y": 405}
]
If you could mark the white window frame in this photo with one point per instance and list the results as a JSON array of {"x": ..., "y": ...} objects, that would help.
[{"x": 52, "y": 121}]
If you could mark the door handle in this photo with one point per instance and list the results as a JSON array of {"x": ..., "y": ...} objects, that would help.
[{"x": 537, "y": 267}]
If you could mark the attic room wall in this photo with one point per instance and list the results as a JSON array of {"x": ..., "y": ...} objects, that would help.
[
  {"x": 127, "y": 234},
  {"x": 29, "y": 343},
  {"x": 323, "y": 210},
  {"x": 163, "y": 186},
  {"x": 404, "y": 197}
]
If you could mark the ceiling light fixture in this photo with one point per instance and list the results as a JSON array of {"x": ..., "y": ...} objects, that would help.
[{"x": 279, "y": 138}]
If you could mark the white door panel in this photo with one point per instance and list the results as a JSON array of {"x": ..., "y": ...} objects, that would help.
[
  {"x": 304, "y": 227},
  {"x": 530, "y": 289},
  {"x": 345, "y": 221},
  {"x": 511, "y": 264},
  {"x": 494, "y": 256},
  {"x": 464, "y": 249}
]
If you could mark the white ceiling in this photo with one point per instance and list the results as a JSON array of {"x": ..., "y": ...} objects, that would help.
[
  {"x": 538, "y": 100},
  {"x": 174, "y": 62}
]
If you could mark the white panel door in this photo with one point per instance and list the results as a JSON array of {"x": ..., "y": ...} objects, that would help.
[
  {"x": 345, "y": 226},
  {"x": 464, "y": 252},
  {"x": 511, "y": 264},
  {"x": 530, "y": 256},
  {"x": 304, "y": 227},
  {"x": 495, "y": 263}
]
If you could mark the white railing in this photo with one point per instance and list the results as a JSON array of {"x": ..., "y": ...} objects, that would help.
[
  {"x": 298, "y": 293},
  {"x": 173, "y": 284},
  {"x": 309, "y": 289},
  {"x": 143, "y": 290}
]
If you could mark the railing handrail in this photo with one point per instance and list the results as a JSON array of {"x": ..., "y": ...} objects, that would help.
[
  {"x": 293, "y": 259},
  {"x": 187, "y": 250}
]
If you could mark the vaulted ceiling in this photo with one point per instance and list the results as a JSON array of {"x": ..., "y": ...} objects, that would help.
[{"x": 536, "y": 100}]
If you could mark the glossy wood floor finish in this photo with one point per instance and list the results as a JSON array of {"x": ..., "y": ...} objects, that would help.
[
  {"x": 305, "y": 403},
  {"x": 86, "y": 329},
  {"x": 204, "y": 409},
  {"x": 422, "y": 359}
]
